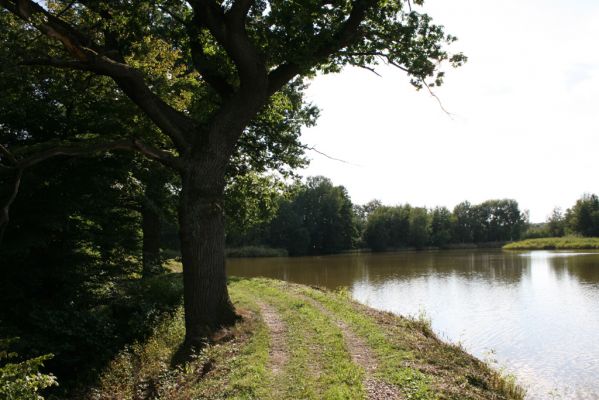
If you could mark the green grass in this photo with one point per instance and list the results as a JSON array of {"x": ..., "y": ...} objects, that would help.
[
  {"x": 413, "y": 358},
  {"x": 330, "y": 375},
  {"x": 393, "y": 358},
  {"x": 319, "y": 366},
  {"x": 555, "y": 243}
]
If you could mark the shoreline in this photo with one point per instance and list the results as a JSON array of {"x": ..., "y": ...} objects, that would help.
[
  {"x": 296, "y": 341},
  {"x": 555, "y": 243},
  {"x": 262, "y": 251}
]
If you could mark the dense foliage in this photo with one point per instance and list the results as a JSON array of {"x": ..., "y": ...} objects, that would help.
[
  {"x": 317, "y": 217},
  {"x": 213, "y": 91},
  {"x": 406, "y": 226},
  {"x": 582, "y": 219}
]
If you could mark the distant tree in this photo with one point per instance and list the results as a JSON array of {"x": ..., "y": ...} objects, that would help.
[
  {"x": 371, "y": 206},
  {"x": 556, "y": 223},
  {"x": 287, "y": 230},
  {"x": 319, "y": 211},
  {"x": 388, "y": 227},
  {"x": 583, "y": 217},
  {"x": 251, "y": 202},
  {"x": 489, "y": 221},
  {"x": 441, "y": 226},
  {"x": 361, "y": 213},
  {"x": 420, "y": 227},
  {"x": 377, "y": 232},
  {"x": 464, "y": 222},
  {"x": 501, "y": 220}
]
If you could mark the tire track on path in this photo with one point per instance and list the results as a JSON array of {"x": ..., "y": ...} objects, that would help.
[
  {"x": 278, "y": 352},
  {"x": 361, "y": 354}
]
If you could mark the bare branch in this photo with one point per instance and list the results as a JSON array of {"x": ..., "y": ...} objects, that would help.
[
  {"x": 314, "y": 149},
  {"x": 434, "y": 95},
  {"x": 370, "y": 69}
]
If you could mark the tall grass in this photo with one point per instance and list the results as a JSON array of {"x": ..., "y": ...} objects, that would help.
[{"x": 556, "y": 243}]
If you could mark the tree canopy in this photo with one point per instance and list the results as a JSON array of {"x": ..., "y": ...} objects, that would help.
[{"x": 204, "y": 76}]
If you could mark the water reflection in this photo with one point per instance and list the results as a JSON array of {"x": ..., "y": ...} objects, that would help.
[{"x": 539, "y": 311}]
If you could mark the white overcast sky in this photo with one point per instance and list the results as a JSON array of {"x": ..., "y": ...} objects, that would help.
[{"x": 526, "y": 113}]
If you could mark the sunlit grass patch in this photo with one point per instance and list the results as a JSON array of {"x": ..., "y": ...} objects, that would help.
[
  {"x": 413, "y": 358},
  {"x": 556, "y": 243},
  {"x": 319, "y": 365}
]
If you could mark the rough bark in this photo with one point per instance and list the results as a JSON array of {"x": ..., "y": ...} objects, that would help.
[{"x": 202, "y": 234}]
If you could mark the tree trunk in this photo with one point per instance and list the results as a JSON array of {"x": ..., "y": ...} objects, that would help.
[
  {"x": 150, "y": 225},
  {"x": 202, "y": 231}
]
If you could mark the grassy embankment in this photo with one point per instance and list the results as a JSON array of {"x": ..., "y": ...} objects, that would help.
[
  {"x": 293, "y": 343},
  {"x": 555, "y": 243}
]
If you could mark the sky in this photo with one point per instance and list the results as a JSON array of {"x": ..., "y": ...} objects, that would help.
[{"x": 524, "y": 123}]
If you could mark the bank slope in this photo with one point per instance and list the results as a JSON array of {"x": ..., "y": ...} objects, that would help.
[
  {"x": 298, "y": 342},
  {"x": 556, "y": 243}
]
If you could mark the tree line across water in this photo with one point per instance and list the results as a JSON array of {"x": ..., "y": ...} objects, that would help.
[
  {"x": 582, "y": 219},
  {"x": 318, "y": 217}
]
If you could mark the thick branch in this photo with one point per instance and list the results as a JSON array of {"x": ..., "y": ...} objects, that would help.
[
  {"x": 239, "y": 11},
  {"x": 88, "y": 57},
  {"x": 205, "y": 67},
  {"x": 91, "y": 149},
  {"x": 73, "y": 40},
  {"x": 229, "y": 31},
  {"x": 345, "y": 36}
]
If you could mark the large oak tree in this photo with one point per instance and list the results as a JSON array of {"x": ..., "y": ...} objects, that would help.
[{"x": 227, "y": 59}]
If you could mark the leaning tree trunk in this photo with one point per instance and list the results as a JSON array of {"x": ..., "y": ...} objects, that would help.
[{"x": 202, "y": 232}]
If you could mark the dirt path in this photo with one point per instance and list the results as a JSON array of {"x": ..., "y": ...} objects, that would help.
[
  {"x": 362, "y": 355},
  {"x": 278, "y": 342}
]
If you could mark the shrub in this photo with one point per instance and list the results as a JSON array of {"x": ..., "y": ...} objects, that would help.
[{"x": 22, "y": 380}]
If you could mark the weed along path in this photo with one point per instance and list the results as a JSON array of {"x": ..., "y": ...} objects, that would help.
[{"x": 296, "y": 342}]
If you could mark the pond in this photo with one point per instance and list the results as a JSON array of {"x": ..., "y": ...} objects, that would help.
[{"x": 536, "y": 313}]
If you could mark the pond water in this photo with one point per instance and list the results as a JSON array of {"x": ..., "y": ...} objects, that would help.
[{"x": 536, "y": 313}]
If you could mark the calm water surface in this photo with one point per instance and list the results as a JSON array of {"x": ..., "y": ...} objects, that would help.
[{"x": 536, "y": 313}]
